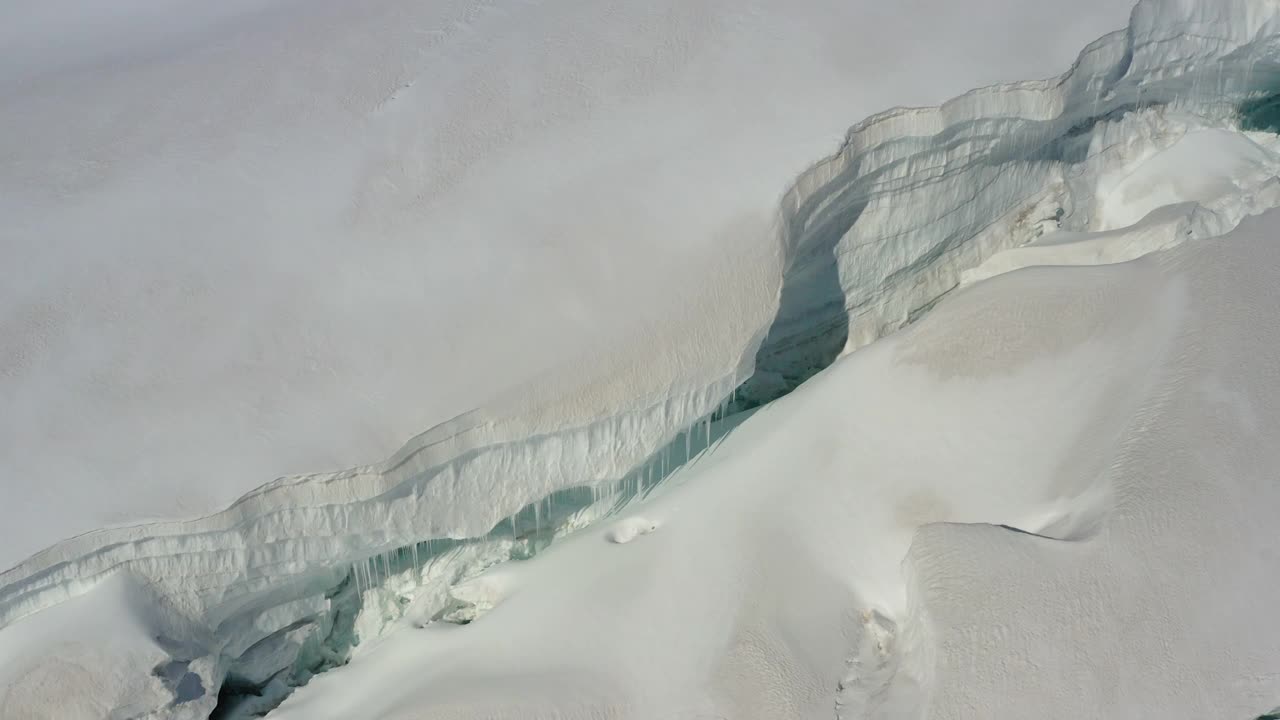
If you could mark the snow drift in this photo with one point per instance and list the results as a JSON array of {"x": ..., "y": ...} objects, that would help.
[{"x": 1070, "y": 374}]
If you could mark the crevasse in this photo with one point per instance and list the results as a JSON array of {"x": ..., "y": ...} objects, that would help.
[{"x": 869, "y": 238}]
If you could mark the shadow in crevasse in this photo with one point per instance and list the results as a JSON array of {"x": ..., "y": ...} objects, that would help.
[
  {"x": 812, "y": 323},
  {"x": 811, "y": 326}
]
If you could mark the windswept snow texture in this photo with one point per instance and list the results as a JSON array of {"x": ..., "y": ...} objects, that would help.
[{"x": 739, "y": 499}]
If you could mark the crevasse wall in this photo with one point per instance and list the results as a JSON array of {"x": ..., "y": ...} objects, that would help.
[
  {"x": 869, "y": 237},
  {"x": 915, "y": 196}
]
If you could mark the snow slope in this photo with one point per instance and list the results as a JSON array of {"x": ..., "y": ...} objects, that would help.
[
  {"x": 1051, "y": 497},
  {"x": 255, "y": 238},
  {"x": 765, "y": 577}
]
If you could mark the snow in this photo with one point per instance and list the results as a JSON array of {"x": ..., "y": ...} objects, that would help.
[
  {"x": 1166, "y": 605},
  {"x": 1200, "y": 186},
  {"x": 1112, "y": 418},
  {"x": 100, "y": 655},
  {"x": 279, "y": 265},
  {"x": 624, "y": 531},
  {"x": 254, "y": 239},
  {"x": 1202, "y": 167}
]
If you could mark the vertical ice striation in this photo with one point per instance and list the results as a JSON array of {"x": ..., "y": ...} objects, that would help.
[{"x": 915, "y": 196}]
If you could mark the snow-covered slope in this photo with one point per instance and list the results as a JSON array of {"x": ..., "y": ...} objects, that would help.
[
  {"x": 1111, "y": 418},
  {"x": 1052, "y": 497},
  {"x": 766, "y": 578},
  {"x": 256, "y": 238}
]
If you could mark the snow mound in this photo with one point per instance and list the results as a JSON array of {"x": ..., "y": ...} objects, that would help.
[{"x": 624, "y": 531}]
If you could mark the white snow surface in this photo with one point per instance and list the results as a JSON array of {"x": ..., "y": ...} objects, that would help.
[
  {"x": 1059, "y": 472},
  {"x": 259, "y": 238}
]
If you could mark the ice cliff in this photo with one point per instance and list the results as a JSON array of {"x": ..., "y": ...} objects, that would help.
[{"x": 282, "y": 583}]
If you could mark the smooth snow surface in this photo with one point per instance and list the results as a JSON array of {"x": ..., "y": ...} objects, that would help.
[{"x": 693, "y": 471}]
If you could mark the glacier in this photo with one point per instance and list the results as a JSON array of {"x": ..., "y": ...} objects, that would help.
[{"x": 1155, "y": 141}]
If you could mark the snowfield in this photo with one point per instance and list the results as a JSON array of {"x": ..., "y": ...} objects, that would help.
[
  {"x": 977, "y": 421},
  {"x": 1088, "y": 533}
]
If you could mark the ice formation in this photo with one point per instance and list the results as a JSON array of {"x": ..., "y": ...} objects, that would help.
[{"x": 1142, "y": 146}]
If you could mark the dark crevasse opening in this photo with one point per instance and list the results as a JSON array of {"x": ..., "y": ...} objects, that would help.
[
  {"x": 1261, "y": 114},
  {"x": 811, "y": 324},
  {"x": 524, "y": 535},
  {"x": 325, "y": 643}
]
